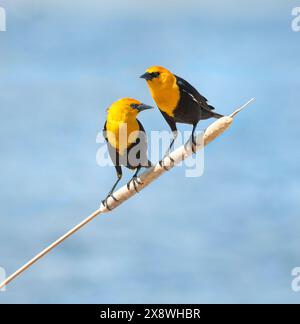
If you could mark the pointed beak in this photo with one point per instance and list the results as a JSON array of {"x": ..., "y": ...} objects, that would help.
[
  {"x": 142, "y": 107},
  {"x": 147, "y": 76}
]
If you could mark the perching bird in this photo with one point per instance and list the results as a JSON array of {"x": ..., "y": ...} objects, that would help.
[
  {"x": 126, "y": 139},
  {"x": 177, "y": 100}
]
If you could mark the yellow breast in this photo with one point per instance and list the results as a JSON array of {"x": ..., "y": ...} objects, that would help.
[
  {"x": 121, "y": 135},
  {"x": 166, "y": 96}
]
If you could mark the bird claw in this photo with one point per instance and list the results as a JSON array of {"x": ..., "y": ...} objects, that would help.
[
  {"x": 161, "y": 162},
  {"x": 193, "y": 144},
  {"x": 105, "y": 204},
  {"x": 105, "y": 201},
  {"x": 171, "y": 159},
  {"x": 113, "y": 197},
  {"x": 135, "y": 180}
]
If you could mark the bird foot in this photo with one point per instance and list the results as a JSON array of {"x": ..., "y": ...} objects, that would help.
[
  {"x": 105, "y": 201},
  {"x": 135, "y": 181},
  {"x": 191, "y": 144},
  {"x": 161, "y": 162}
]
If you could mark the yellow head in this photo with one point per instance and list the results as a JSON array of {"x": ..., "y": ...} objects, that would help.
[
  {"x": 122, "y": 126},
  {"x": 158, "y": 76},
  {"x": 163, "y": 88},
  {"x": 125, "y": 109}
]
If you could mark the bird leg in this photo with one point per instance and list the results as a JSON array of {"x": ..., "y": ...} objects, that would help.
[
  {"x": 110, "y": 194},
  {"x": 135, "y": 180},
  {"x": 167, "y": 154},
  {"x": 192, "y": 140}
]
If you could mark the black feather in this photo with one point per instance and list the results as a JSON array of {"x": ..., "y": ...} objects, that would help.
[{"x": 141, "y": 155}]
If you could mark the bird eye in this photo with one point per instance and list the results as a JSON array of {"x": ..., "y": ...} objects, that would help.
[
  {"x": 134, "y": 106},
  {"x": 155, "y": 74}
]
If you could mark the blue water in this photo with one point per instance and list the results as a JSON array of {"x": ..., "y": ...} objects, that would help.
[{"x": 232, "y": 235}]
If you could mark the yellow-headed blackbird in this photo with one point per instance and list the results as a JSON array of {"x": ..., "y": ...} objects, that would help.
[
  {"x": 126, "y": 139},
  {"x": 177, "y": 100}
]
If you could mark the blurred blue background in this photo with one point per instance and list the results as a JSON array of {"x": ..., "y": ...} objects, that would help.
[{"x": 229, "y": 236}]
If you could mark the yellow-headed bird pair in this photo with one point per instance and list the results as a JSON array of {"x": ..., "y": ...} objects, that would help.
[{"x": 177, "y": 100}]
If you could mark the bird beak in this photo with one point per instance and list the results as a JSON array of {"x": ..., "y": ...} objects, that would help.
[
  {"x": 147, "y": 76},
  {"x": 142, "y": 107}
]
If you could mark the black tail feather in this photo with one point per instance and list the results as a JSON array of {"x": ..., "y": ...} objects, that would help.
[{"x": 216, "y": 115}]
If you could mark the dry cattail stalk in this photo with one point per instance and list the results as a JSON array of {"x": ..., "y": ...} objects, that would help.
[{"x": 180, "y": 154}]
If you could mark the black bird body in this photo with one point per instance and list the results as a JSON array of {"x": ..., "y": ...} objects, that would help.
[
  {"x": 178, "y": 100},
  {"x": 192, "y": 106},
  {"x": 126, "y": 139},
  {"x": 138, "y": 150}
]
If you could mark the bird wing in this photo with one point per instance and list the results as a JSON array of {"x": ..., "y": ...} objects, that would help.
[
  {"x": 104, "y": 132},
  {"x": 142, "y": 154},
  {"x": 170, "y": 121},
  {"x": 193, "y": 93},
  {"x": 141, "y": 140}
]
